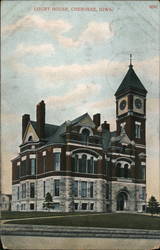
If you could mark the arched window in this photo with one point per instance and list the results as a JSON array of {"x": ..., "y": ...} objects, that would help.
[
  {"x": 91, "y": 165},
  {"x": 84, "y": 163},
  {"x": 75, "y": 163},
  {"x": 126, "y": 171},
  {"x": 85, "y": 134},
  {"x": 118, "y": 170}
]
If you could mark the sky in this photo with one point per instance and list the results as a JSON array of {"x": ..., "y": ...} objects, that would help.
[{"x": 74, "y": 55}]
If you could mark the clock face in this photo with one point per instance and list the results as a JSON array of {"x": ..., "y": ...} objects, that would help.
[
  {"x": 123, "y": 104},
  {"x": 138, "y": 103}
]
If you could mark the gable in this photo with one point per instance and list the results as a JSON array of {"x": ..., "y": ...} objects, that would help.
[
  {"x": 30, "y": 131},
  {"x": 86, "y": 121}
]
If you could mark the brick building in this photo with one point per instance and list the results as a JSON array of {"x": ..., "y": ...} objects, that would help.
[{"x": 81, "y": 163}]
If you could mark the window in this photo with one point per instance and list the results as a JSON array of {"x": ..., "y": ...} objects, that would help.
[
  {"x": 76, "y": 163},
  {"x": 107, "y": 191},
  {"x": 80, "y": 166},
  {"x": 143, "y": 172},
  {"x": 17, "y": 207},
  {"x": 24, "y": 190},
  {"x": 30, "y": 138},
  {"x": 95, "y": 167},
  {"x": 143, "y": 193},
  {"x": 56, "y": 187},
  {"x": 84, "y": 163},
  {"x": 23, "y": 168},
  {"x": 92, "y": 206},
  {"x": 44, "y": 188},
  {"x": 57, "y": 158},
  {"x": 126, "y": 171},
  {"x": 85, "y": 134},
  {"x": 17, "y": 171},
  {"x": 32, "y": 206},
  {"x": 32, "y": 190},
  {"x": 56, "y": 206},
  {"x": 90, "y": 165},
  {"x": 84, "y": 206},
  {"x": 33, "y": 166},
  {"x": 118, "y": 170},
  {"x": 91, "y": 189},
  {"x": 138, "y": 131},
  {"x": 83, "y": 189},
  {"x": 23, "y": 206},
  {"x": 75, "y": 188},
  {"x": 18, "y": 193},
  {"x": 75, "y": 206}
]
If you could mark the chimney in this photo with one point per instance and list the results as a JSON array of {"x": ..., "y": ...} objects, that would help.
[
  {"x": 41, "y": 119},
  {"x": 97, "y": 119},
  {"x": 106, "y": 126},
  {"x": 25, "y": 121}
]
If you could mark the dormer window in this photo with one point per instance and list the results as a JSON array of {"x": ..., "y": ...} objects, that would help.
[
  {"x": 86, "y": 132},
  {"x": 30, "y": 138}
]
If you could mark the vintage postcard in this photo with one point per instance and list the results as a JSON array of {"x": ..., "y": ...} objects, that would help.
[{"x": 80, "y": 122}]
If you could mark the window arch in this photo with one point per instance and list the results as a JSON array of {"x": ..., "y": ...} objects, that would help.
[
  {"x": 123, "y": 169},
  {"x": 84, "y": 163}
]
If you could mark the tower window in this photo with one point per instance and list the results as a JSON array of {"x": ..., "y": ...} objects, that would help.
[
  {"x": 33, "y": 166},
  {"x": 138, "y": 130},
  {"x": 57, "y": 161}
]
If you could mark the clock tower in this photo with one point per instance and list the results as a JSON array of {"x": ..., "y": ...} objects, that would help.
[{"x": 131, "y": 106}]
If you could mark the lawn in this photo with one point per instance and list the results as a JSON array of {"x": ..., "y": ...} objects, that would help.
[
  {"x": 7, "y": 215},
  {"x": 115, "y": 220}
]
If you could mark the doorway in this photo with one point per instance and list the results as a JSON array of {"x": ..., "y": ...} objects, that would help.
[{"x": 122, "y": 201}]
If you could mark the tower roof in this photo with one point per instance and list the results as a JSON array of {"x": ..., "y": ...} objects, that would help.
[{"x": 131, "y": 82}]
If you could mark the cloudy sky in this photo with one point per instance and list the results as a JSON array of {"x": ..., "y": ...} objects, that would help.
[{"x": 75, "y": 60}]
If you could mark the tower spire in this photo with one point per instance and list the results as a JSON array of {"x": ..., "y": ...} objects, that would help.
[{"x": 130, "y": 65}]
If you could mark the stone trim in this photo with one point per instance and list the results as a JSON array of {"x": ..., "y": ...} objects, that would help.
[
  {"x": 56, "y": 150},
  {"x": 81, "y": 145}
]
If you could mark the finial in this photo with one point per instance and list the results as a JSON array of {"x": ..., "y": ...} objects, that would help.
[{"x": 130, "y": 61}]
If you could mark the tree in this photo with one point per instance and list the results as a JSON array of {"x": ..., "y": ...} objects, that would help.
[
  {"x": 153, "y": 205},
  {"x": 48, "y": 201}
]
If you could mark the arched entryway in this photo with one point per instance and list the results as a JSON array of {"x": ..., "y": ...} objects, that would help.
[{"x": 122, "y": 199}]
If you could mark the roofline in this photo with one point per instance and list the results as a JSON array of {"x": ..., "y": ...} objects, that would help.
[{"x": 135, "y": 90}]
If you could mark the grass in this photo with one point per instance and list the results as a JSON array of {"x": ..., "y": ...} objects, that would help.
[
  {"x": 133, "y": 221},
  {"x": 7, "y": 215}
]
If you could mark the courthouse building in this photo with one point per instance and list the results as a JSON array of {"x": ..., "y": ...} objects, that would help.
[{"x": 81, "y": 163}]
